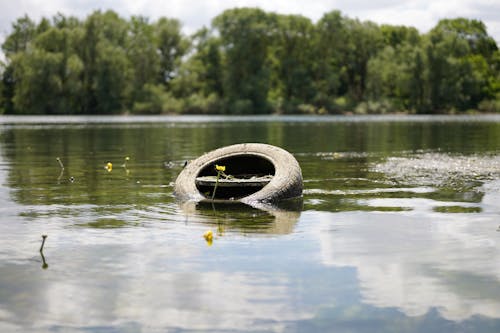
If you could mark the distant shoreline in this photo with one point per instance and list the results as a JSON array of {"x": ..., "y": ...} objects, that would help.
[{"x": 103, "y": 119}]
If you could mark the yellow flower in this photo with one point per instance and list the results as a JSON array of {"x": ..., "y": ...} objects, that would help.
[
  {"x": 220, "y": 168},
  {"x": 209, "y": 237},
  {"x": 109, "y": 166}
]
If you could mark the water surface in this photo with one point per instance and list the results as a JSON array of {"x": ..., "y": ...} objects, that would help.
[{"x": 399, "y": 229}]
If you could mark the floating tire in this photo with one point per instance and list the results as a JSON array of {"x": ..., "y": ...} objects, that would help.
[{"x": 244, "y": 161}]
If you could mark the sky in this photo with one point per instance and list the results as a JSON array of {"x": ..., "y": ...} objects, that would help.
[{"x": 194, "y": 14}]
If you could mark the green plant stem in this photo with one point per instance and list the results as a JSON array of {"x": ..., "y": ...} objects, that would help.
[
  {"x": 216, "y": 183},
  {"x": 43, "y": 242},
  {"x": 60, "y": 162}
]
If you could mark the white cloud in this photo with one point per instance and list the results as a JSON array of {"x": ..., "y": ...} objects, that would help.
[
  {"x": 450, "y": 263},
  {"x": 195, "y": 14}
]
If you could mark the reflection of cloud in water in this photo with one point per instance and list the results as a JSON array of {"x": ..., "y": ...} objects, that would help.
[
  {"x": 182, "y": 300},
  {"x": 121, "y": 286},
  {"x": 202, "y": 302},
  {"x": 491, "y": 201},
  {"x": 140, "y": 276},
  {"x": 416, "y": 261}
]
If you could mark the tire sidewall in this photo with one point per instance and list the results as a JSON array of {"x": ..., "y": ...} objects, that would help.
[{"x": 286, "y": 182}]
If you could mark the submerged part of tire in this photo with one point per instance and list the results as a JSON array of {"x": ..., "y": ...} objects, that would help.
[{"x": 247, "y": 161}]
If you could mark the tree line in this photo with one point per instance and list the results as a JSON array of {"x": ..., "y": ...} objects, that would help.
[{"x": 248, "y": 61}]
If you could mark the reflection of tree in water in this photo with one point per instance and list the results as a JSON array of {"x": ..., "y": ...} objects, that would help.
[
  {"x": 156, "y": 151},
  {"x": 38, "y": 177},
  {"x": 236, "y": 216}
]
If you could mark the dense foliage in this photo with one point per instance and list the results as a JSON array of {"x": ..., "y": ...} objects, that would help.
[{"x": 248, "y": 61}]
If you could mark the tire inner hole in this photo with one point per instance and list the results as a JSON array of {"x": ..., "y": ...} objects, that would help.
[{"x": 246, "y": 174}]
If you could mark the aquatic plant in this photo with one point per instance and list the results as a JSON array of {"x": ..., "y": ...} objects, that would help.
[
  {"x": 44, "y": 262},
  {"x": 124, "y": 165},
  {"x": 62, "y": 169},
  {"x": 209, "y": 237},
  {"x": 44, "y": 237},
  {"x": 220, "y": 172},
  {"x": 60, "y": 162},
  {"x": 125, "y": 162}
]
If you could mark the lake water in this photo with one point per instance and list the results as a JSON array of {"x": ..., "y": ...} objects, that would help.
[{"x": 399, "y": 229}]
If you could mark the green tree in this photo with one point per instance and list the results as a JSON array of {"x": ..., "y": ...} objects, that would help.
[
  {"x": 143, "y": 57},
  {"x": 292, "y": 77},
  {"x": 23, "y": 32},
  {"x": 7, "y": 87},
  {"x": 397, "y": 35},
  {"x": 471, "y": 31},
  {"x": 417, "y": 82},
  {"x": 38, "y": 83},
  {"x": 208, "y": 56},
  {"x": 155, "y": 54},
  {"x": 245, "y": 41},
  {"x": 364, "y": 40},
  {"x": 458, "y": 52},
  {"x": 47, "y": 78},
  {"x": 344, "y": 46},
  {"x": 105, "y": 74},
  {"x": 62, "y": 40},
  {"x": 172, "y": 46},
  {"x": 3, "y": 102},
  {"x": 328, "y": 69},
  {"x": 395, "y": 74},
  {"x": 198, "y": 83},
  {"x": 111, "y": 78},
  {"x": 249, "y": 61}
]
